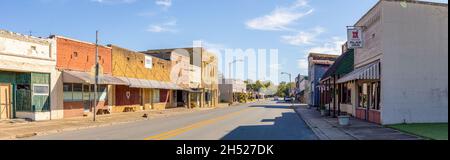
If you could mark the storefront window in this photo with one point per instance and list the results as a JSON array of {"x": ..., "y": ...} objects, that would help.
[
  {"x": 363, "y": 95},
  {"x": 102, "y": 93},
  {"x": 77, "y": 92},
  {"x": 375, "y": 94},
  {"x": 67, "y": 91},
  {"x": 156, "y": 96}
]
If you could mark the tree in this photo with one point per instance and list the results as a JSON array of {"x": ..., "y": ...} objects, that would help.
[{"x": 283, "y": 89}]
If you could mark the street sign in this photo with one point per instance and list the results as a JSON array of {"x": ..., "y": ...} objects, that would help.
[{"x": 355, "y": 38}]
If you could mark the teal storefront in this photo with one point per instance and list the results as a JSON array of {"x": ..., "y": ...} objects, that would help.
[{"x": 28, "y": 92}]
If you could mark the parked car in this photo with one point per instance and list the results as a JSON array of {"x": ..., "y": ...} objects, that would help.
[
  {"x": 288, "y": 99},
  {"x": 276, "y": 98}
]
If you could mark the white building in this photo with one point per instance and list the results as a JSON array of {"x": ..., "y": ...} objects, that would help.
[
  {"x": 401, "y": 73},
  {"x": 29, "y": 81}
]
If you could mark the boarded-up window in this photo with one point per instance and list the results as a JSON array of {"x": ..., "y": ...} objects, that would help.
[{"x": 127, "y": 96}]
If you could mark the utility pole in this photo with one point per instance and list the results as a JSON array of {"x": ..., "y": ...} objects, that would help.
[
  {"x": 96, "y": 76},
  {"x": 290, "y": 86},
  {"x": 231, "y": 66}
]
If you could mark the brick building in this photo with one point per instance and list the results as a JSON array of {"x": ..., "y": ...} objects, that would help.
[{"x": 76, "y": 60}]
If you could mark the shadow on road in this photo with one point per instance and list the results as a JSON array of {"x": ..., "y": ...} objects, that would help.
[
  {"x": 271, "y": 106},
  {"x": 287, "y": 127}
]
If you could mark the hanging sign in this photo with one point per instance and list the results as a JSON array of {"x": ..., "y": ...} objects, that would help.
[{"x": 355, "y": 38}]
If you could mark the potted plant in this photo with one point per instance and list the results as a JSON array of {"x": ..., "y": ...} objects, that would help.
[{"x": 344, "y": 120}]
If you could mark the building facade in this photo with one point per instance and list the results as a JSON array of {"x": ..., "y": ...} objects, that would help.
[
  {"x": 29, "y": 81},
  {"x": 335, "y": 97},
  {"x": 179, "y": 73},
  {"x": 401, "y": 73},
  {"x": 318, "y": 64},
  {"x": 301, "y": 86},
  {"x": 76, "y": 61},
  {"x": 150, "y": 85},
  {"x": 202, "y": 72}
]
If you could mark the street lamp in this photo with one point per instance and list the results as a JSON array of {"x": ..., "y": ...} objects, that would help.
[
  {"x": 230, "y": 65},
  {"x": 290, "y": 86}
]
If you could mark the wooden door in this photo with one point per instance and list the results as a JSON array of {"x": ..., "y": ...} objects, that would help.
[{"x": 5, "y": 101}]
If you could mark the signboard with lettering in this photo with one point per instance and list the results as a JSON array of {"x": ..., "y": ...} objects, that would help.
[
  {"x": 355, "y": 38},
  {"x": 148, "y": 62}
]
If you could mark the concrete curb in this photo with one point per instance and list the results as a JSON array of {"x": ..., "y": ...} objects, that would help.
[
  {"x": 319, "y": 133},
  {"x": 42, "y": 133}
]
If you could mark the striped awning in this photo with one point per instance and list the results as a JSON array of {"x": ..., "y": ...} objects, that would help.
[
  {"x": 86, "y": 78},
  {"x": 368, "y": 72}
]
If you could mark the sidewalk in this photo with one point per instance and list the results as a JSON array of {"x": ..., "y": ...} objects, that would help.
[
  {"x": 13, "y": 129},
  {"x": 327, "y": 128}
]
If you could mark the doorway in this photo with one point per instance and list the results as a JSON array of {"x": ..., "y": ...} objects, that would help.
[{"x": 5, "y": 101}]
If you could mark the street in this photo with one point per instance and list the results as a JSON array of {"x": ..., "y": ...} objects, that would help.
[{"x": 261, "y": 121}]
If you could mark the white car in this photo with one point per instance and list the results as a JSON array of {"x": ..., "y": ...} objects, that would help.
[{"x": 288, "y": 99}]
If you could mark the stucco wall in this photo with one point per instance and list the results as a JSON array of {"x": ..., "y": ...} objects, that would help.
[
  {"x": 414, "y": 65},
  {"x": 372, "y": 33},
  {"x": 17, "y": 55},
  {"x": 130, "y": 64}
]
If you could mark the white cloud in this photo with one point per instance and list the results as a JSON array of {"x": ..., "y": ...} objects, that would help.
[
  {"x": 164, "y": 3},
  {"x": 164, "y": 27},
  {"x": 302, "y": 64},
  {"x": 303, "y": 38},
  {"x": 281, "y": 17},
  {"x": 333, "y": 46}
]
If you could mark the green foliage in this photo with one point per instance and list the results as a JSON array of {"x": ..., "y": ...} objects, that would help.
[
  {"x": 242, "y": 97},
  {"x": 283, "y": 89}
]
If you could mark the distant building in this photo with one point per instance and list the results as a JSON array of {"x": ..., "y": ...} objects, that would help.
[
  {"x": 318, "y": 64},
  {"x": 301, "y": 85},
  {"x": 230, "y": 89}
]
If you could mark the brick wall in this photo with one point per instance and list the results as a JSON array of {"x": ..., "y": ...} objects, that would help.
[
  {"x": 76, "y": 109},
  {"x": 80, "y": 56}
]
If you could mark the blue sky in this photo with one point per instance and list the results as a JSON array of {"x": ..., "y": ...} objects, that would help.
[{"x": 294, "y": 27}]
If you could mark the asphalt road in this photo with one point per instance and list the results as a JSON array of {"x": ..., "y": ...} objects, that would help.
[{"x": 268, "y": 121}]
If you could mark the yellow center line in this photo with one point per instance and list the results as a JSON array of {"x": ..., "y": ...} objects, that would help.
[{"x": 179, "y": 131}]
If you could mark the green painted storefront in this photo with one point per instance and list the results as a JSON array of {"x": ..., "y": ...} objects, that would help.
[{"x": 30, "y": 91}]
